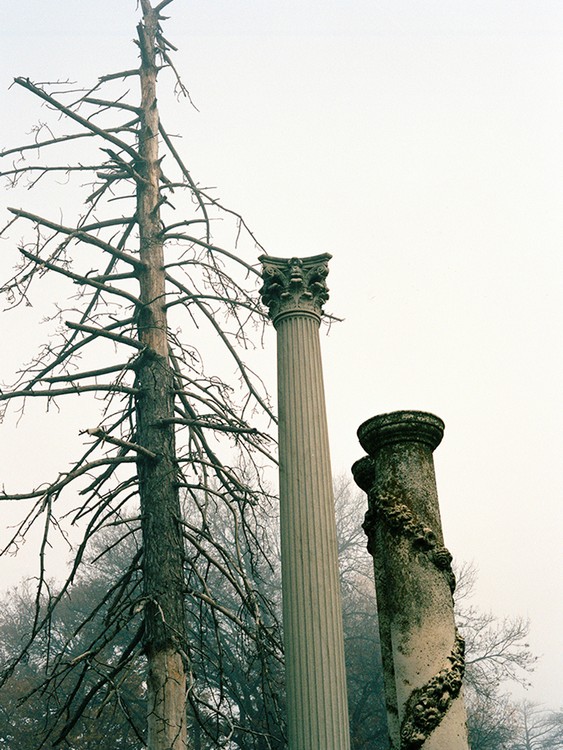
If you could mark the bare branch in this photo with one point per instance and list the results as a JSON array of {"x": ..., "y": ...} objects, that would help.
[
  {"x": 161, "y": 6},
  {"x": 121, "y": 74},
  {"x": 98, "y": 432},
  {"x": 88, "y": 374},
  {"x": 50, "y": 142},
  {"x": 58, "y": 485},
  {"x": 118, "y": 338},
  {"x": 86, "y": 124},
  {"x": 118, "y": 104},
  {"x": 78, "y": 278},
  {"x": 78, "y": 234},
  {"x": 213, "y": 426},
  {"x": 52, "y": 392}
]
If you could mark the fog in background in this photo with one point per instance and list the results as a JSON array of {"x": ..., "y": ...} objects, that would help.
[{"x": 420, "y": 143}]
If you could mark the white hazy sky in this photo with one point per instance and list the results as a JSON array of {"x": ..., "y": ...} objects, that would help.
[{"x": 419, "y": 142}]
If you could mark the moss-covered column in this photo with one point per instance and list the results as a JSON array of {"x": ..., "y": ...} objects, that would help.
[
  {"x": 294, "y": 291},
  {"x": 421, "y": 648},
  {"x": 363, "y": 472}
]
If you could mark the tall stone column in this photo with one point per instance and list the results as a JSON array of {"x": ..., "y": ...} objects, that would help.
[
  {"x": 423, "y": 651},
  {"x": 294, "y": 291},
  {"x": 363, "y": 471}
]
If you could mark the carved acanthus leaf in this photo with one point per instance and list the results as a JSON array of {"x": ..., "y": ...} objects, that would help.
[{"x": 294, "y": 285}]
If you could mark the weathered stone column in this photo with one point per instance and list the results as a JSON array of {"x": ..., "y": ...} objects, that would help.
[
  {"x": 415, "y": 582},
  {"x": 294, "y": 291},
  {"x": 363, "y": 471}
]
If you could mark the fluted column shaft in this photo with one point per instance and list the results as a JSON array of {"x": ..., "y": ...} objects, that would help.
[
  {"x": 317, "y": 709},
  {"x": 415, "y": 582}
]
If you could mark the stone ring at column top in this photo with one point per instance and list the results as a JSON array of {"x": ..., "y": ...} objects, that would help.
[{"x": 400, "y": 427}]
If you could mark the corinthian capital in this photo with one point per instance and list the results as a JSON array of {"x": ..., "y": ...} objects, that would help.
[{"x": 294, "y": 285}]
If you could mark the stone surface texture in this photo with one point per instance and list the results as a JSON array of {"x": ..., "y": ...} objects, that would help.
[
  {"x": 422, "y": 652},
  {"x": 294, "y": 290}
]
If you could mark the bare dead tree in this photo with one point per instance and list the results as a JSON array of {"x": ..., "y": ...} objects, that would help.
[{"x": 144, "y": 269}]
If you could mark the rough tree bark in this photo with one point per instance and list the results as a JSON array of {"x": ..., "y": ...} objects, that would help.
[{"x": 158, "y": 483}]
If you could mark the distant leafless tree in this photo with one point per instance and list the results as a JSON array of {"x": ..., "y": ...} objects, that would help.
[
  {"x": 538, "y": 728},
  {"x": 497, "y": 649},
  {"x": 498, "y": 655},
  {"x": 150, "y": 296},
  {"x": 237, "y": 695}
]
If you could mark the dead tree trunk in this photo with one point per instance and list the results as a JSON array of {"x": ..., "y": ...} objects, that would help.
[
  {"x": 158, "y": 484},
  {"x": 170, "y": 434}
]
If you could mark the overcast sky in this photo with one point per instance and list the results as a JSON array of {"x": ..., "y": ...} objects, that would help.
[{"x": 420, "y": 143}]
